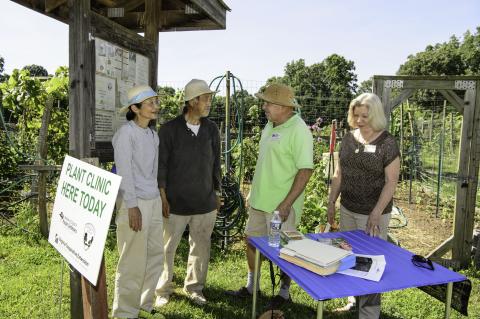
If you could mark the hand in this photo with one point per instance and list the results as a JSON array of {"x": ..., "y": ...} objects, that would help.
[
  {"x": 331, "y": 213},
  {"x": 284, "y": 210},
  {"x": 165, "y": 208},
  {"x": 135, "y": 218},
  {"x": 373, "y": 224}
]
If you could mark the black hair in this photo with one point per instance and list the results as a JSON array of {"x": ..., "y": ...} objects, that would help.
[{"x": 130, "y": 114}]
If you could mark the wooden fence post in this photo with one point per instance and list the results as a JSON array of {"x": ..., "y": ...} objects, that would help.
[{"x": 42, "y": 175}]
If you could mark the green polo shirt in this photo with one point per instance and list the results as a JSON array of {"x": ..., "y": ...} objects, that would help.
[{"x": 283, "y": 150}]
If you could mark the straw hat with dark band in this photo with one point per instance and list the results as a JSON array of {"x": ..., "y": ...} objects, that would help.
[{"x": 279, "y": 94}]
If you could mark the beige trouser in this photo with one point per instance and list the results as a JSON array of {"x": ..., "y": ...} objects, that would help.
[
  {"x": 368, "y": 305},
  {"x": 200, "y": 228},
  {"x": 141, "y": 259},
  {"x": 258, "y": 222}
]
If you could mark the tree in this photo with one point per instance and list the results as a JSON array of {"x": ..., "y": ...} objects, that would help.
[
  {"x": 365, "y": 86},
  {"x": 455, "y": 57},
  {"x": 36, "y": 70},
  {"x": 323, "y": 89},
  {"x": 470, "y": 52},
  {"x": 439, "y": 59}
]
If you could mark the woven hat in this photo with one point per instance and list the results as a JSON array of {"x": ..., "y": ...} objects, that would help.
[
  {"x": 196, "y": 88},
  {"x": 279, "y": 94},
  {"x": 138, "y": 94}
]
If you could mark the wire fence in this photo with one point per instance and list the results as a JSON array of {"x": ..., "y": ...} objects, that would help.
[{"x": 428, "y": 132}]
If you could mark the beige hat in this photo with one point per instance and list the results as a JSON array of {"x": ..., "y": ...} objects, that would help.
[
  {"x": 138, "y": 94},
  {"x": 196, "y": 88},
  {"x": 279, "y": 94}
]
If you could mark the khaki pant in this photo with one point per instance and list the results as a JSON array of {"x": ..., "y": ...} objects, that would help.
[
  {"x": 141, "y": 259},
  {"x": 258, "y": 222},
  {"x": 368, "y": 305},
  {"x": 200, "y": 229}
]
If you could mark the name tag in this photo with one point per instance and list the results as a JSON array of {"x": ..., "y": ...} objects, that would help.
[
  {"x": 370, "y": 148},
  {"x": 275, "y": 136}
]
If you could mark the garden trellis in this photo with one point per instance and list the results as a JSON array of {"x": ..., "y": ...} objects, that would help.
[
  {"x": 393, "y": 90},
  {"x": 119, "y": 23}
]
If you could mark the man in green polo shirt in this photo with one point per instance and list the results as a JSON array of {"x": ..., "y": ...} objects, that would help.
[{"x": 284, "y": 166}]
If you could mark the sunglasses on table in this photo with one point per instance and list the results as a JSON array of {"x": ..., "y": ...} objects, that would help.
[{"x": 422, "y": 262}]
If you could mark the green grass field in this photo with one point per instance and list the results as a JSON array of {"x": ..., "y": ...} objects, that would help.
[{"x": 31, "y": 283}]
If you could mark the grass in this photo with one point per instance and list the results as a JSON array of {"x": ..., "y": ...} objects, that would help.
[{"x": 31, "y": 282}]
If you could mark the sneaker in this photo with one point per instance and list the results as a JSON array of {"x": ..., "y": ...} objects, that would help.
[
  {"x": 143, "y": 314},
  {"x": 350, "y": 306},
  {"x": 196, "y": 297},
  {"x": 161, "y": 301},
  {"x": 240, "y": 293}
]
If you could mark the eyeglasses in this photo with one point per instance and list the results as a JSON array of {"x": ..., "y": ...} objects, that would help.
[
  {"x": 152, "y": 102},
  {"x": 422, "y": 262}
]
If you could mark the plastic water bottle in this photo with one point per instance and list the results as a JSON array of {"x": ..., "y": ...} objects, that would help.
[{"x": 274, "y": 235}]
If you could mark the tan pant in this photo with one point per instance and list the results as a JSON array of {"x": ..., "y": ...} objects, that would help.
[
  {"x": 368, "y": 305},
  {"x": 200, "y": 229},
  {"x": 141, "y": 259},
  {"x": 258, "y": 223}
]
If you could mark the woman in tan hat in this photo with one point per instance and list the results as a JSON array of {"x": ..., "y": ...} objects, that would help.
[{"x": 139, "y": 218}]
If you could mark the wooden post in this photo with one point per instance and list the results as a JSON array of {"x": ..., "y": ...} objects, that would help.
[
  {"x": 95, "y": 302},
  {"x": 81, "y": 102},
  {"x": 464, "y": 211},
  {"x": 430, "y": 127},
  {"x": 452, "y": 134},
  {"x": 152, "y": 14},
  {"x": 472, "y": 97},
  {"x": 42, "y": 175},
  {"x": 401, "y": 138}
]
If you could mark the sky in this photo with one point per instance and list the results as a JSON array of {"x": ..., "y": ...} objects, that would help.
[{"x": 262, "y": 36}]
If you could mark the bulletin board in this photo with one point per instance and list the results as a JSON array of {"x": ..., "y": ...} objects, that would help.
[{"x": 116, "y": 70}]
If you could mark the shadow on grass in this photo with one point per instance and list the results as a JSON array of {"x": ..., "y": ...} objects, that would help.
[{"x": 225, "y": 272}]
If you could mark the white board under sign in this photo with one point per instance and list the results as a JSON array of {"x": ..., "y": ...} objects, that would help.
[{"x": 81, "y": 215}]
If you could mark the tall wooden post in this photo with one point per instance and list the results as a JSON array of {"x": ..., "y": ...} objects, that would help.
[
  {"x": 466, "y": 184},
  {"x": 152, "y": 13},
  {"x": 81, "y": 102}
]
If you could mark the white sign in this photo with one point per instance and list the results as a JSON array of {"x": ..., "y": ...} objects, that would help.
[{"x": 81, "y": 214}]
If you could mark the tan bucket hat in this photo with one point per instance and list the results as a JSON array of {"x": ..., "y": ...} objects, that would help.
[
  {"x": 279, "y": 94},
  {"x": 196, "y": 88},
  {"x": 138, "y": 94}
]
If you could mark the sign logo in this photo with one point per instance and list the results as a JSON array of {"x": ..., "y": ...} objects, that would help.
[{"x": 88, "y": 236}]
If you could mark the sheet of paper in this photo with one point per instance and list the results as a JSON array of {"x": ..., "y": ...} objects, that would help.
[{"x": 374, "y": 273}]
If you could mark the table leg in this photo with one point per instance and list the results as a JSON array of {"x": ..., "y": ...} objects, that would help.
[
  {"x": 320, "y": 309},
  {"x": 255, "y": 283},
  {"x": 448, "y": 301}
]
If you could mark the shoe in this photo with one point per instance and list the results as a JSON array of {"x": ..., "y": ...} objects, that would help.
[
  {"x": 350, "y": 306},
  {"x": 278, "y": 301},
  {"x": 240, "y": 293},
  {"x": 143, "y": 314},
  {"x": 161, "y": 301},
  {"x": 196, "y": 297}
]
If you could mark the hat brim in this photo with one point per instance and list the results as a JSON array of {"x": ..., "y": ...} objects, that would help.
[
  {"x": 197, "y": 94},
  {"x": 262, "y": 96},
  {"x": 124, "y": 109}
]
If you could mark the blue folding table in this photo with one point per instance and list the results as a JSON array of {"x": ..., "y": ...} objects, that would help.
[{"x": 400, "y": 273}]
